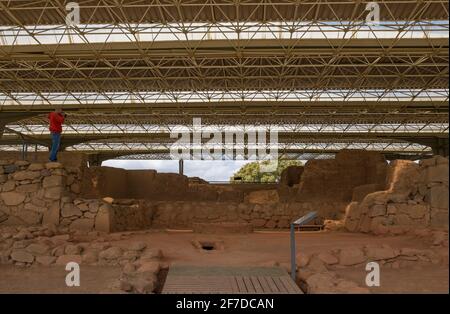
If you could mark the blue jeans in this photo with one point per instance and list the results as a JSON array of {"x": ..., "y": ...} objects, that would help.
[{"x": 56, "y": 139}]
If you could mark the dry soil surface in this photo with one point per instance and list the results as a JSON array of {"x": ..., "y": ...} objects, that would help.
[{"x": 255, "y": 249}]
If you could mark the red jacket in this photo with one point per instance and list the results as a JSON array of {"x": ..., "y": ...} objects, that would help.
[{"x": 56, "y": 120}]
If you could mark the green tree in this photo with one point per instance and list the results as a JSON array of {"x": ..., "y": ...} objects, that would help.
[{"x": 251, "y": 172}]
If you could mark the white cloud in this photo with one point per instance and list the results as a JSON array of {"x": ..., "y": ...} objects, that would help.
[{"x": 210, "y": 170}]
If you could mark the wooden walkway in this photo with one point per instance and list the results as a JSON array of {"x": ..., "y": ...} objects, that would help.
[{"x": 239, "y": 280}]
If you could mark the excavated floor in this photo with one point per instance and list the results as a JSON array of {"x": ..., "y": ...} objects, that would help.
[{"x": 255, "y": 249}]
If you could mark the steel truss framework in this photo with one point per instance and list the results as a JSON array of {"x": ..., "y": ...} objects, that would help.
[{"x": 133, "y": 70}]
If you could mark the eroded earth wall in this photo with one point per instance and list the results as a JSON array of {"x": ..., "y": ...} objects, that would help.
[
  {"x": 372, "y": 196},
  {"x": 416, "y": 196}
]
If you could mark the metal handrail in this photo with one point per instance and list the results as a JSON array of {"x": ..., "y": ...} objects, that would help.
[{"x": 299, "y": 222}]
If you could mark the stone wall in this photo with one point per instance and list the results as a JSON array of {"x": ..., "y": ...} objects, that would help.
[
  {"x": 271, "y": 215},
  {"x": 33, "y": 193},
  {"x": 74, "y": 159},
  {"x": 113, "y": 215},
  {"x": 373, "y": 196},
  {"x": 416, "y": 197}
]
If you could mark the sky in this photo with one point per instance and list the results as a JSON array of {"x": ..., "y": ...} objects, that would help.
[{"x": 210, "y": 170}]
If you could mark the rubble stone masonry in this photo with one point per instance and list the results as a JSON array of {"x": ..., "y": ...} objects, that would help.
[{"x": 365, "y": 191}]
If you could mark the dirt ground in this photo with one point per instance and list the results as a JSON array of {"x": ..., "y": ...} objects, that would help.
[{"x": 256, "y": 249}]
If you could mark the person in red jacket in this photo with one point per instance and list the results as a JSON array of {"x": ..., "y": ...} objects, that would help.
[{"x": 56, "y": 119}]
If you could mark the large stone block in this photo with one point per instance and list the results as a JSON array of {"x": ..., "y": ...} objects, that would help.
[
  {"x": 29, "y": 217},
  {"x": 22, "y": 256},
  {"x": 53, "y": 165},
  {"x": 377, "y": 210},
  {"x": 38, "y": 248},
  {"x": 21, "y": 163},
  {"x": 437, "y": 196},
  {"x": 70, "y": 210},
  {"x": 51, "y": 216},
  {"x": 53, "y": 181},
  {"x": 82, "y": 224},
  {"x": 416, "y": 211},
  {"x": 104, "y": 218},
  {"x": 402, "y": 220},
  {"x": 12, "y": 198},
  {"x": 54, "y": 193},
  {"x": 26, "y": 175},
  {"x": 8, "y": 186},
  {"x": 9, "y": 168},
  {"x": 37, "y": 209},
  {"x": 35, "y": 167},
  {"x": 28, "y": 188},
  {"x": 380, "y": 253}
]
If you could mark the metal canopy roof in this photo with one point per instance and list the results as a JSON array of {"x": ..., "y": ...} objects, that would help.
[
  {"x": 132, "y": 70},
  {"x": 32, "y": 12},
  {"x": 420, "y": 63}
]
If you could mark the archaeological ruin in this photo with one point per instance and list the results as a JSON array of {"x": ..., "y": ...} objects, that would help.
[
  {"x": 213, "y": 147},
  {"x": 55, "y": 212}
]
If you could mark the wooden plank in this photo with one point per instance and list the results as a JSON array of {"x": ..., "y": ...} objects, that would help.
[
  {"x": 291, "y": 287},
  {"x": 233, "y": 284},
  {"x": 264, "y": 285},
  {"x": 192, "y": 279},
  {"x": 279, "y": 284},
  {"x": 256, "y": 284},
  {"x": 249, "y": 285},
  {"x": 272, "y": 285},
  {"x": 241, "y": 284}
]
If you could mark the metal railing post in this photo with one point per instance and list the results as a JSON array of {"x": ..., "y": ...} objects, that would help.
[
  {"x": 293, "y": 262},
  {"x": 299, "y": 222}
]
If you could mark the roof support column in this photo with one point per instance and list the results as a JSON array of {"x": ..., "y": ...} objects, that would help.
[{"x": 181, "y": 166}]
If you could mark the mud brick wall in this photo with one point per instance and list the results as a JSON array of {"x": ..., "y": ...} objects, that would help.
[
  {"x": 335, "y": 179},
  {"x": 372, "y": 196},
  {"x": 416, "y": 196},
  {"x": 117, "y": 183}
]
